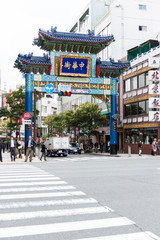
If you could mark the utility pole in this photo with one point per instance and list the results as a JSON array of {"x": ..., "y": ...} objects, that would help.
[{"x": 35, "y": 99}]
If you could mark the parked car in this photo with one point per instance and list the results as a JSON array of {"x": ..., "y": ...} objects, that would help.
[{"x": 74, "y": 148}]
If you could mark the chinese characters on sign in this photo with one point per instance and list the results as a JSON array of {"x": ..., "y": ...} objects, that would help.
[
  {"x": 154, "y": 88},
  {"x": 74, "y": 66},
  {"x": 154, "y": 75},
  {"x": 154, "y": 116},
  {"x": 154, "y": 102}
]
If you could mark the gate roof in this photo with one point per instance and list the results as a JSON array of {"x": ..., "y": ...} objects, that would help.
[{"x": 72, "y": 42}]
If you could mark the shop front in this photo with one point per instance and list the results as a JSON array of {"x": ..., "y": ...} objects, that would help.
[{"x": 132, "y": 136}]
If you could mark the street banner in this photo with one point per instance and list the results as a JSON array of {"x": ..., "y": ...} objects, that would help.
[
  {"x": 154, "y": 116},
  {"x": 154, "y": 102},
  {"x": 154, "y": 75},
  {"x": 154, "y": 89}
]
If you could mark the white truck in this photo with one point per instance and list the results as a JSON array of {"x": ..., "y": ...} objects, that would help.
[{"x": 57, "y": 146}]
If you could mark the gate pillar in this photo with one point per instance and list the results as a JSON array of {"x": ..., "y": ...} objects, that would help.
[
  {"x": 113, "y": 122},
  {"x": 28, "y": 104}
]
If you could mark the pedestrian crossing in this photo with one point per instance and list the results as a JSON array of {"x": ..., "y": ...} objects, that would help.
[
  {"x": 77, "y": 159},
  {"x": 35, "y": 204}
]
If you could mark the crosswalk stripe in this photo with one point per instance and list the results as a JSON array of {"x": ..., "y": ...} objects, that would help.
[
  {"x": 24, "y": 174},
  {"x": 47, "y": 203},
  {"x": 30, "y": 179},
  {"x": 32, "y": 183},
  {"x": 16, "y": 172},
  {"x": 41, "y": 195},
  {"x": 29, "y": 189},
  {"x": 129, "y": 236},
  {"x": 52, "y": 213},
  {"x": 27, "y": 176},
  {"x": 63, "y": 227},
  {"x": 153, "y": 236}
]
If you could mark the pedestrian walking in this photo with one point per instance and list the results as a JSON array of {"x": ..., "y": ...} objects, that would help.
[
  {"x": 12, "y": 147},
  {"x": 81, "y": 146},
  {"x": 101, "y": 146},
  {"x": 43, "y": 150},
  {"x": 96, "y": 147},
  {"x": 84, "y": 146},
  {"x": 140, "y": 147},
  {"x": 3, "y": 146},
  {"x": 1, "y": 151},
  {"x": 19, "y": 146},
  {"x": 154, "y": 147},
  {"x": 30, "y": 145}
]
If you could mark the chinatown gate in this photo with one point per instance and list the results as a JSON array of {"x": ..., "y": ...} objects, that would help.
[{"x": 72, "y": 61}]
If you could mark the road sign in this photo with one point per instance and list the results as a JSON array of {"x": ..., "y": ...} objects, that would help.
[
  {"x": 49, "y": 88},
  {"x": 27, "y": 121},
  {"x": 64, "y": 88},
  {"x": 27, "y": 115}
]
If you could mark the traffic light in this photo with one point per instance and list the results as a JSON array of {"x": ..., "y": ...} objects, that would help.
[{"x": 68, "y": 94}]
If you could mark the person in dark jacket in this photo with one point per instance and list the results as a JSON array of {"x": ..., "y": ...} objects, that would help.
[
  {"x": 101, "y": 146},
  {"x": 43, "y": 150},
  {"x": 140, "y": 147},
  {"x": 30, "y": 145},
  {"x": 12, "y": 146},
  {"x": 3, "y": 146},
  {"x": 1, "y": 151}
]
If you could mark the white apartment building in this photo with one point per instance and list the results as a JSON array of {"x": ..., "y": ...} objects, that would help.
[
  {"x": 131, "y": 22},
  {"x": 46, "y": 106}
]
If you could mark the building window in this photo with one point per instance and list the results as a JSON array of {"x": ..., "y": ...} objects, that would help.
[
  {"x": 142, "y": 28},
  {"x": 141, "y": 80},
  {"x": 142, "y": 7},
  {"x": 137, "y": 108},
  {"x": 127, "y": 85},
  {"x": 134, "y": 83},
  {"x": 134, "y": 108},
  {"x": 141, "y": 107},
  {"x": 127, "y": 110},
  {"x": 44, "y": 109}
]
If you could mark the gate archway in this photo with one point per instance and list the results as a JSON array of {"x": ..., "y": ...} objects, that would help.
[{"x": 73, "y": 61}]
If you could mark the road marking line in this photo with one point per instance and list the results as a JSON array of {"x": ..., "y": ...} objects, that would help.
[
  {"x": 47, "y": 203},
  {"x": 41, "y": 195},
  {"x": 153, "y": 236},
  {"x": 33, "y": 183},
  {"x": 27, "y": 176},
  {"x": 27, "y": 172},
  {"x": 36, "y": 189},
  {"x": 129, "y": 236},
  {"x": 31, "y": 179},
  {"x": 52, "y": 213},
  {"x": 63, "y": 227},
  {"x": 24, "y": 174}
]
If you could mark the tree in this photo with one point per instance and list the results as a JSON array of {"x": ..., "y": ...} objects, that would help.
[
  {"x": 16, "y": 109},
  {"x": 49, "y": 121},
  {"x": 55, "y": 122},
  {"x": 88, "y": 118}
]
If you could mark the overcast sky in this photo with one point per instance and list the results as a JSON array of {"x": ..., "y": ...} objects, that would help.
[{"x": 20, "y": 21}]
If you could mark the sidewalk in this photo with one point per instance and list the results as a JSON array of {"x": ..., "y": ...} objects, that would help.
[
  {"x": 7, "y": 159},
  {"x": 126, "y": 155}
]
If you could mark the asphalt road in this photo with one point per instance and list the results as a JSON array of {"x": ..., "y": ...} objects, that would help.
[{"x": 89, "y": 197}]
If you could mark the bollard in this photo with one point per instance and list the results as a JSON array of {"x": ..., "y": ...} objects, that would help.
[{"x": 129, "y": 151}]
